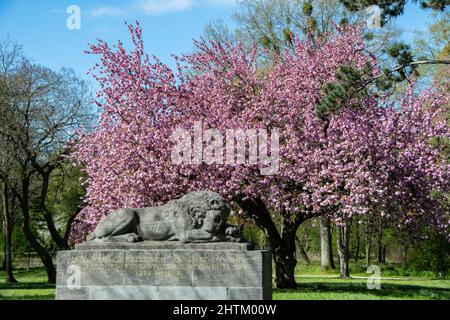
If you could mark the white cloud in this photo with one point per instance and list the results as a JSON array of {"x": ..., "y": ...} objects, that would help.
[
  {"x": 222, "y": 2},
  {"x": 57, "y": 10},
  {"x": 164, "y": 6},
  {"x": 156, "y": 7},
  {"x": 107, "y": 11}
]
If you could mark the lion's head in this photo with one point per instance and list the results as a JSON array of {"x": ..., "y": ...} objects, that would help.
[{"x": 208, "y": 210}]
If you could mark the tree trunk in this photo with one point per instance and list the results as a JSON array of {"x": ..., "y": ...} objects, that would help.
[
  {"x": 380, "y": 245},
  {"x": 3, "y": 267},
  {"x": 326, "y": 248},
  {"x": 8, "y": 228},
  {"x": 28, "y": 260},
  {"x": 31, "y": 238},
  {"x": 69, "y": 224},
  {"x": 303, "y": 253},
  {"x": 285, "y": 262},
  {"x": 282, "y": 245},
  {"x": 358, "y": 243},
  {"x": 343, "y": 241},
  {"x": 384, "y": 253},
  {"x": 9, "y": 276},
  {"x": 405, "y": 254},
  {"x": 368, "y": 243}
]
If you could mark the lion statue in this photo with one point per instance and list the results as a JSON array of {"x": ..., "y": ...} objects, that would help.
[{"x": 198, "y": 216}]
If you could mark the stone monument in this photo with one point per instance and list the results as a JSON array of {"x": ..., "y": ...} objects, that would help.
[{"x": 182, "y": 250}]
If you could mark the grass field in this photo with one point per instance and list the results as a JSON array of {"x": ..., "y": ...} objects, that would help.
[
  {"x": 32, "y": 285},
  {"x": 318, "y": 288}
]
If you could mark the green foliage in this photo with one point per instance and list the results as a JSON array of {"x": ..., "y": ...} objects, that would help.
[
  {"x": 386, "y": 79},
  {"x": 265, "y": 41},
  {"x": 65, "y": 192},
  {"x": 273, "y": 22},
  {"x": 433, "y": 44},
  {"x": 442, "y": 144},
  {"x": 402, "y": 55},
  {"x": 359, "y": 269},
  {"x": 432, "y": 254},
  {"x": 369, "y": 36},
  {"x": 307, "y": 8},
  {"x": 20, "y": 244},
  {"x": 352, "y": 84},
  {"x": 312, "y": 25},
  {"x": 288, "y": 35},
  {"x": 347, "y": 90},
  {"x": 311, "y": 22},
  {"x": 392, "y": 8},
  {"x": 344, "y": 21},
  {"x": 434, "y": 4}
]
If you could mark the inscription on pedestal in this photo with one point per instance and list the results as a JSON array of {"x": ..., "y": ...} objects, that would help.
[{"x": 164, "y": 274}]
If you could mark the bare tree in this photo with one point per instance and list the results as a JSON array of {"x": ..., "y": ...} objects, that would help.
[
  {"x": 9, "y": 52},
  {"x": 273, "y": 23},
  {"x": 40, "y": 112}
]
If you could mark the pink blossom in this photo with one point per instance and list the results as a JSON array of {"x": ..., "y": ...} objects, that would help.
[{"x": 376, "y": 157}]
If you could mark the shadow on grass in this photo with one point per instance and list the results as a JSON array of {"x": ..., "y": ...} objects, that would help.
[
  {"x": 26, "y": 285},
  {"x": 29, "y": 297},
  {"x": 387, "y": 290},
  {"x": 28, "y": 279}
]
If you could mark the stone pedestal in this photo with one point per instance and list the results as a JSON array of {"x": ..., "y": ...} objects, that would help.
[{"x": 160, "y": 270}]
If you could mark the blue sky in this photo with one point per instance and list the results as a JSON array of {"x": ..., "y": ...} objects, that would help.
[{"x": 168, "y": 26}]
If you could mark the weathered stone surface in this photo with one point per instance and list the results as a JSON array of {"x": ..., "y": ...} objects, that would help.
[
  {"x": 192, "y": 293},
  {"x": 164, "y": 271},
  {"x": 246, "y": 294},
  {"x": 163, "y": 245},
  {"x": 64, "y": 293},
  {"x": 183, "y": 250},
  {"x": 123, "y": 293},
  {"x": 198, "y": 216}
]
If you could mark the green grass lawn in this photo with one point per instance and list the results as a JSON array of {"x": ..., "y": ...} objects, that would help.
[
  {"x": 318, "y": 288},
  {"x": 32, "y": 285}
]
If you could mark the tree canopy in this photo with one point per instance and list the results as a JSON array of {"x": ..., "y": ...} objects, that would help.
[{"x": 371, "y": 154}]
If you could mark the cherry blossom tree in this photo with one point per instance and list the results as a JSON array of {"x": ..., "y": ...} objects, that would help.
[{"x": 352, "y": 162}]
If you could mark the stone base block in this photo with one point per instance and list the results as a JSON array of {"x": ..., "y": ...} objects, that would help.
[{"x": 164, "y": 271}]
